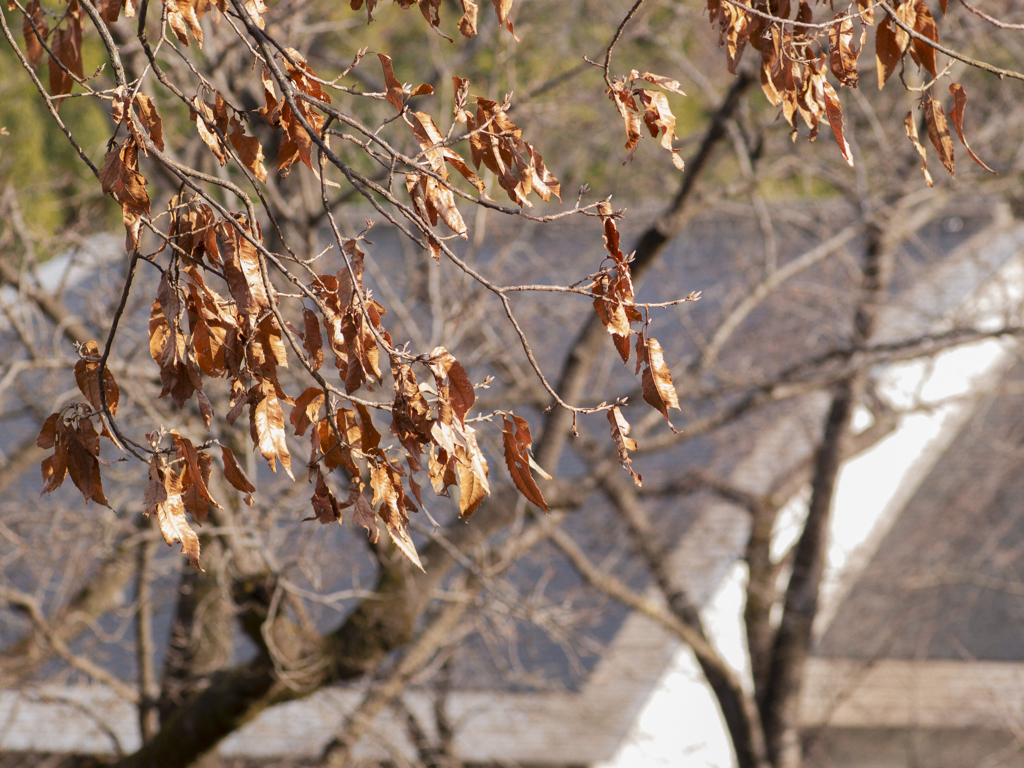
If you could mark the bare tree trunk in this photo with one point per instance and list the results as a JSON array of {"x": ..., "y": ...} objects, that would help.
[
  {"x": 201, "y": 634},
  {"x": 780, "y": 704}
]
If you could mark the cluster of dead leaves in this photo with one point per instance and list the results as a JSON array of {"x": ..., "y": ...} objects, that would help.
[
  {"x": 175, "y": 486},
  {"x": 197, "y": 334},
  {"x": 614, "y": 303},
  {"x": 656, "y": 114},
  {"x": 72, "y": 435},
  {"x": 431, "y": 10},
  {"x": 217, "y": 316},
  {"x": 795, "y": 61},
  {"x": 494, "y": 140}
]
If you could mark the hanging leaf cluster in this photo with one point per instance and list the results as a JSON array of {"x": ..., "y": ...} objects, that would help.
[
  {"x": 221, "y": 319},
  {"x": 798, "y": 54}
]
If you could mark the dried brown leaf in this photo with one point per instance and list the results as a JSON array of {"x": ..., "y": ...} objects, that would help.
[
  {"x": 623, "y": 443},
  {"x": 910, "y": 126},
  {"x": 34, "y": 37},
  {"x": 449, "y": 374},
  {"x": 938, "y": 132},
  {"x": 87, "y": 375},
  {"x": 887, "y": 50},
  {"x": 395, "y": 94},
  {"x": 267, "y": 424},
  {"x": 325, "y": 505},
  {"x": 609, "y": 306},
  {"x": 312, "y": 339},
  {"x": 81, "y": 456},
  {"x": 66, "y": 46},
  {"x": 631, "y": 116},
  {"x": 120, "y": 179},
  {"x": 471, "y": 468},
  {"x": 242, "y": 270},
  {"x": 924, "y": 25},
  {"x": 195, "y": 484},
  {"x": 467, "y": 24},
  {"x": 842, "y": 53},
  {"x": 656, "y": 378},
  {"x": 834, "y": 111},
  {"x": 663, "y": 82},
  {"x": 182, "y": 18},
  {"x": 517, "y": 440},
  {"x": 149, "y": 115},
  {"x": 163, "y": 499},
  {"x": 249, "y": 149},
  {"x": 957, "y": 114},
  {"x": 503, "y": 8},
  {"x": 307, "y": 410},
  {"x": 48, "y": 434}
]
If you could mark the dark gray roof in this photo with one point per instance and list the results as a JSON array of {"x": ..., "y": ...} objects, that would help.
[{"x": 947, "y": 581}]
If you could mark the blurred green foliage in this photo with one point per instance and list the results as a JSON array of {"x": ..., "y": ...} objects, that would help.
[{"x": 36, "y": 159}]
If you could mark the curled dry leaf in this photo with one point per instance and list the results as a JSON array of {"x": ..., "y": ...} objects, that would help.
[
  {"x": 910, "y": 126},
  {"x": 503, "y": 8},
  {"x": 656, "y": 378},
  {"x": 614, "y": 291},
  {"x": 957, "y": 114},
  {"x": 842, "y": 53},
  {"x": 442, "y": 471},
  {"x": 110, "y": 10},
  {"x": 193, "y": 229},
  {"x": 120, "y": 178},
  {"x": 325, "y": 505},
  {"x": 151, "y": 120},
  {"x": 497, "y": 142},
  {"x": 386, "y": 482},
  {"x": 266, "y": 422},
  {"x": 34, "y": 37},
  {"x": 623, "y": 443},
  {"x": 625, "y": 102},
  {"x": 307, "y": 410},
  {"x": 312, "y": 340},
  {"x": 658, "y": 117},
  {"x": 609, "y": 306},
  {"x": 834, "y": 111},
  {"x": 362, "y": 511},
  {"x": 211, "y": 119},
  {"x": 451, "y": 377},
  {"x": 87, "y": 376},
  {"x": 938, "y": 132},
  {"x": 410, "y": 412},
  {"x": 296, "y": 144},
  {"x": 517, "y": 439},
  {"x": 249, "y": 149},
  {"x": 255, "y": 9},
  {"x": 168, "y": 346},
  {"x": 887, "y": 50},
  {"x": 395, "y": 93},
  {"x": 866, "y": 10},
  {"x": 467, "y": 24},
  {"x": 234, "y": 474},
  {"x": 924, "y": 24},
  {"x": 183, "y": 19},
  {"x": 195, "y": 478},
  {"x": 76, "y": 450},
  {"x": 242, "y": 270},
  {"x": 663, "y": 82},
  {"x": 164, "y": 499},
  {"x": 471, "y": 468},
  {"x": 66, "y": 56}
]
